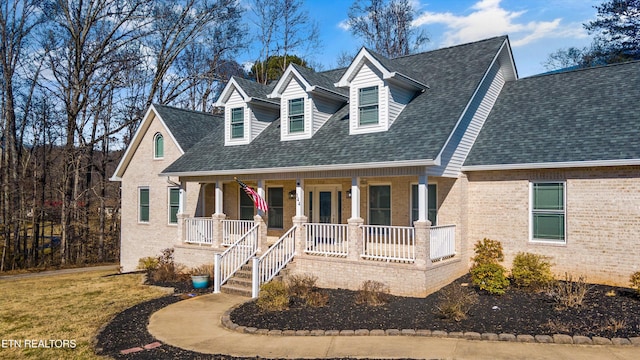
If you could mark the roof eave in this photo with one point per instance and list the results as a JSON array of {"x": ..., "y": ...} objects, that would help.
[
  {"x": 292, "y": 169},
  {"x": 553, "y": 165}
]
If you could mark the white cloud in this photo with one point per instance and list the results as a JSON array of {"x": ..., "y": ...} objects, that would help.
[
  {"x": 488, "y": 18},
  {"x": 344, "y": 25}
]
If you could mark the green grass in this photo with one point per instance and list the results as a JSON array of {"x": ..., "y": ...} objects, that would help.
[{"x": 64, "y": 307}]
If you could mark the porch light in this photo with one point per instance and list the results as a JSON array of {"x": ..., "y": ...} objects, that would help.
[
  {"x": 292, "y": 194},
  {"x": 349, "y": 194}
]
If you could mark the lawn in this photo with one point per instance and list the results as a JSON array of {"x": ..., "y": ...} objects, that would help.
[{"x": 63, "y": 312}]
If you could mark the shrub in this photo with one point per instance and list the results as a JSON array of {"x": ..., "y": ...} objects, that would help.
[
  {"x": 148, "y": 263},
  {"x": 167, "y": 269},
  {"x": 487, "y": 252},
  {"x": 373, "y": 293},
  {"x": 490, "y": 277},
  {"x": 531, "y": 271},
  {"x": 274, "y": 296},
  {"x": 301, "y": 285},
  {"x": 316, "y": 298},
  {"x": 570, "y": 293},
  {"x": 635, "y": 281},
  {"x": 454, "y": 302}
]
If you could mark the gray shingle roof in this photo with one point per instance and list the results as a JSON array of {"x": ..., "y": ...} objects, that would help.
[
  {"x": 254, "y": 89},
  {"x": 188, "y": 127},
  {"x": 418, "y": 133},
  {"x": 582, "y": 115},
  {"x": 323, "y": 79}
]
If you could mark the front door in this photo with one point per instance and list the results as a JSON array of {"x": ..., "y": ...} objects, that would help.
[{"x": 324, "y": 204}]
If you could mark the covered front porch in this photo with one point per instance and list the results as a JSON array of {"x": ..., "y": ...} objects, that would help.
[{"x": 344, "y": 223}]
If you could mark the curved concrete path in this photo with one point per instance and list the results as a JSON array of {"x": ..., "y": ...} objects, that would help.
[{"x": 195, "y": 324}]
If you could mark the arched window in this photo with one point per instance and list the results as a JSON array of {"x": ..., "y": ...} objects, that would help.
[{"x": 158, "y": 146}]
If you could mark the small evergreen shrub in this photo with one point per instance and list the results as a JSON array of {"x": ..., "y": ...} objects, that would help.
[
  {"x": 531, "y": 271},
  {"x": 487, "y": 252},
  {"x": 455, "y": 302},
  {"x": 274, "y": 296},
  {"x": 635, "y": 281},
  {"x": 490, "y": 277},
  {"x": 373, "y": 293}
]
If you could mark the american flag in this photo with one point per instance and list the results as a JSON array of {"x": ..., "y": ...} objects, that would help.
[{"x": 258, "y": 201}]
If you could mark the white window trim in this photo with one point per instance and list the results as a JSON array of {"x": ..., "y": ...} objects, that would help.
[
  {"x": 304, "y": 117},
  {"x": 169, "y": 188},
  {"x": 390, "y": 201},
  {"x": 285, "y": 197},
  {"x": 155, "y": 144},
  {"x": 564, "y": 200},
  {"x": 244, "y": 124},
  {"x": 139, "y": 215},
  {"x": 371, "y": 125}
]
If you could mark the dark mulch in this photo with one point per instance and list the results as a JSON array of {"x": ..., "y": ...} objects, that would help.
[{"x": 515, "y": 312}]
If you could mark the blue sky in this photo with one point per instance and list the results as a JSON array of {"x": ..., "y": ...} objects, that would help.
[{"x": 536, "y": 28}]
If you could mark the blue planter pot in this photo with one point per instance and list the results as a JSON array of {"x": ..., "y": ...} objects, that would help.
[{"x": 200, "y": 281}]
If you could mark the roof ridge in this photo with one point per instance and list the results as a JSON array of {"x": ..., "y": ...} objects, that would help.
[
  {"x": 579, "y": 69},
  {"x": 450, "y": 47}
]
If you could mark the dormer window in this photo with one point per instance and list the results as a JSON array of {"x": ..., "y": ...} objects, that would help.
[
  {"x": 237, "y": 123},
  {"x": 368, "y": 106},
  {"x": 158, "y": 146},
  {"x": 296, "y": 115}
]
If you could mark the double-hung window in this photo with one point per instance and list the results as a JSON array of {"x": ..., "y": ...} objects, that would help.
[
  {"x": 380, "y": 205},
  {"x": 296, "y": 115},
  {"x": 143, "y": 205},
  {"x": 174, "y": 204},
  {"x": 368, "y": 106},
  {"x": 237, "y": 123},
  {"x": 548, "y": 217}
]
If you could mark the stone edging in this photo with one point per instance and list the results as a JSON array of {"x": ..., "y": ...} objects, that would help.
[{"x": 544, "y": 339}]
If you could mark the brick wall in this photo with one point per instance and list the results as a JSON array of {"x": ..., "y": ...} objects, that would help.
[{"x": 602, "y": 215}]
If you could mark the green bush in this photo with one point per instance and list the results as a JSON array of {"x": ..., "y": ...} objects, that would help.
[
  {"x": 531, "y": 271},
  {"x": 487, "y": 252},
  {"x": 373, "y": 293},
  {"x": 490, "y": 277},
  {"x": 635, "y": 281},
  {"x": 274, "y": 296}
]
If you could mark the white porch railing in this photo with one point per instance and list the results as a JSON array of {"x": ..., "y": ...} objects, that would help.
[
  {"x": 273, "y": 260},
  {"x": 238, "y": 254},
  {"x": 326, "y": 239},
  {"x": 443, "y": 242},
  {"x": 232, "y": 230},
  {"x": 388, "y": 243},
  {"x": 199, "y": 230}
]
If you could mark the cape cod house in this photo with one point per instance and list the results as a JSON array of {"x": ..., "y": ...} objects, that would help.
[{"x": 391, "y": 169}]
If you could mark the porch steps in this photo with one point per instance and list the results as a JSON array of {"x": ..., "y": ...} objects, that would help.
[{"x": 240, "y": 283}]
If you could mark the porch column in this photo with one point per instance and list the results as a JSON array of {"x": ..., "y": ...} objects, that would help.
[
  {"x": 355, "y": 198},
  {"x": 181, "y": 216},
  {"x": 423, "y": 198},
  {"x": 261, "y": 193},
  {"x": 299, "y": 220},
  {"x": 219, "y": 198},
  {"x": 262, "y": 234}
]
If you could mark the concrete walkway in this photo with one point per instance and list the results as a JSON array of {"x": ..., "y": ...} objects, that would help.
[{"x": 195, "y": 324}]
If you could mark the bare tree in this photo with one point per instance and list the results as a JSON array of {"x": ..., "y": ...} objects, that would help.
[{"x": 386, "y": 27}]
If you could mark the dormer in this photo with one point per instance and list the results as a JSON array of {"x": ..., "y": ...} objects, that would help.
[
  {"x": 378, "y": 92},
  {"x": 307, "y": 101},
  {"x": 247, "y": 111}
]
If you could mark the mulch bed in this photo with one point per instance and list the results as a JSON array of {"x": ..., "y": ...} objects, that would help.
[{"x": 516, "y": 312}]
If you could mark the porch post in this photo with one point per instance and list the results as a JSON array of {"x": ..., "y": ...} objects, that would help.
[
  {"x": 262, "y": 234},
  {"x": 181, "y": 216},
  {"x": 422, "y": 232},
  {"x": 354, "y": 232},
  {"x": 299, "y": 220},
  {"x": 261, "y": 193},
  {"x": 355, "y": 197},
  {"x": 423, "y": 201},
  {"x": 219, "y": 196}
]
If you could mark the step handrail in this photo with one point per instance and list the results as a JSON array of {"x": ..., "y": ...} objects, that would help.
[
  {"x": 273, "y": 260},
  {"x": 232, "y": 259}
]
